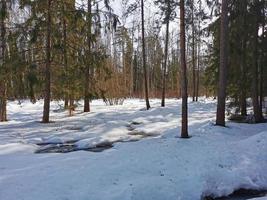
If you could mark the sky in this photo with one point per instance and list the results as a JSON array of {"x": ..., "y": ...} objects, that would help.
[{"x": 150, "y": 13}]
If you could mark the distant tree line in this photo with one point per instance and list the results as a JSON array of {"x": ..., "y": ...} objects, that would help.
[{"x": 68, "y": 50}]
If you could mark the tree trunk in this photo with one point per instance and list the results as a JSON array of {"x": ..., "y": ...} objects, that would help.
[
  {"x": 144, "y": 55},
  {"x": 243, "y": 67},
  {"x": 3, "y": 98},
  {"x": 261, "y": 86},
  {"x": 184, "y": 130},
  {"x": 3, "y": 102},
  {"x": 220, "y": 117},
  {"x": 198, "y": 72},
  {"x": 132, "y": 63},
  {"x": 193, "y": 54},
  {"x": 243, "y": 102},
  {"x": 65, "y": 58},
  {"x": 71, "y": 107},
  {"x": 243, "y": 97},
  {"x": 255, "y": 82},
  {"x": 261, "y": 73},
  {"x": 198, "y": 54},
  {"x": 66, "y": 102},
  {"x": 47, "y": 93},
  {"x": 87, "y": 70},
  {"x": 165, "y": 64}
]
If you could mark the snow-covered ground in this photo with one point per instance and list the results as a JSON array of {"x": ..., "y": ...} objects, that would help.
[{"x": 215, "y": 161}]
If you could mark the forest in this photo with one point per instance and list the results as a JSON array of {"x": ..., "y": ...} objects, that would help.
[
  {"x": 67, "y": 50},
  {"x": 132, "y": 79}
]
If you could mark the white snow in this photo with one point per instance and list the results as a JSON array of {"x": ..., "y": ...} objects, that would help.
[{"x": 215, "y": 161}]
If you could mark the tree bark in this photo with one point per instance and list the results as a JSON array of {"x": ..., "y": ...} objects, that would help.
[
  {"x": 47, "y": 92},
  {"x": 243, "y": 67},
  {"x": 165, "y": 64},
  {"x": 193, "y": 53},
  {"x": 262, "y": 71},
  {"x": 65, "y": 60},
  {"x": 66, "y": 102},
  {"x": 144, "y": 56},
  {"x": 198, "y": 53},
  {"x": 87, "y": 69},
  {"x": 3, "y": 98},
  {"x": 243, "y": 101},
  {"x": 255, "y": 80},
  {"x": 184, "y": 130},
  {"x": 220, "y": 116},
  {"x": 261, "y": 86},
  {"x": 198, "y": 73}
]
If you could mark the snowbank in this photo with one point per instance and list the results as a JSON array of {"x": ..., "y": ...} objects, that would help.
[{"x": 215, "y": 161}]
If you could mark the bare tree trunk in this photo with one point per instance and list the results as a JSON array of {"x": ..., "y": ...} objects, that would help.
[
  {"x": 255, "y": 80},
  {"x": 261, "y": 86},
  {"x": 243, "y": 67},
  {"x": 66, "y": 102},
  {"x": 198, "y": 73},
  {"x": 65, "y": 60},
  {"x": 87, "y": 70},
  {"x": 71, "y": 107},
  {"x": 184, "y": 130},
  {"x": 132, "y": 62},
  {"x": 261, "y": 73},
  {"x": 255, "y": 93},
  {"x": 220, "y": 117},
  {"x": 144, "y": 56},
  {"x": 193, "y": 53},
  {"x": 198, "y": 54},
  {"x": 243, "y": 101},
  {"x": 165, "y": 64},
  {"x": 3, "y": 98},
  {"x": 47, "y": 92}
]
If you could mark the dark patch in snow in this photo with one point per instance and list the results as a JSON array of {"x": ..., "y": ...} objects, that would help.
[
  {"x": 130, "y": 127},
  {"x": 241, "y": 194},
  {"x": 135, "y": 123},
  {"x": 71, "y": 147},
  {"x": 142, "y": 134},
  {"x": 56, "y": 148},
  {"x": 100, "y": 147}
]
